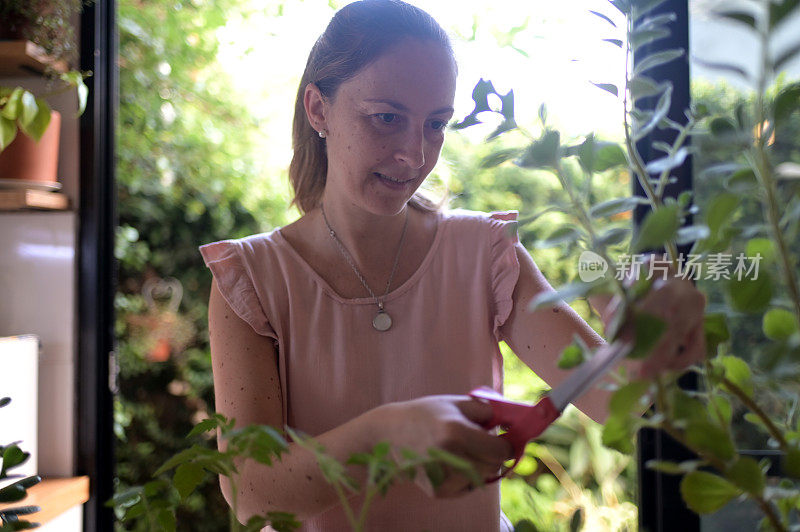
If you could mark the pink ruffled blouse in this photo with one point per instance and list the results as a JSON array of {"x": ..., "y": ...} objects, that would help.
[{"x": 335, "y": 366}]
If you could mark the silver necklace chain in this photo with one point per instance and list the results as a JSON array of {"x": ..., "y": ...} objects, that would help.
[{"x": 349, "y": 259}]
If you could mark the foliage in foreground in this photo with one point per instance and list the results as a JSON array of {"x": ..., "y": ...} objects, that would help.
[{"x": 731, "y": 381}]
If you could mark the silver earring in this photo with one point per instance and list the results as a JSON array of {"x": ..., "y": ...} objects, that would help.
[{"x": 322, "y": 134}]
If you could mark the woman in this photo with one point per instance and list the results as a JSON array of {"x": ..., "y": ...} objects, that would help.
[{"x": 368, "y": 318}]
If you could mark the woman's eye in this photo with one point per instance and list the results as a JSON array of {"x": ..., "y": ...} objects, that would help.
[
  {"x": 387, "y": 118},
  {"x": 438, "y": 125}
]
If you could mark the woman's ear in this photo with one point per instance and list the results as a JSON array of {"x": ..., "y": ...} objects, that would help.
[{"x": 315, "y": 105}]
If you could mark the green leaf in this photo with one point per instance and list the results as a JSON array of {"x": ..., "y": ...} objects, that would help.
[
  {"x": 692, "y": 233},
  {"x": 83, "y": 95},
  {"x": 283, "y": 521},
  {"x": 566, "y": 293},
  {"x": 722, "y": 407},
  {"x": 787, "y": 101},
  {"x": 608, "y": 155},
  {"x": 628, "y": 398},
  {"x": 13, "y": 456},
  {"x": 505, "y": 125},
  {"x": 742, "y": 180},
  {"x": 613, "y": 236},
  {"x": 761, "y": 246},
  {"x": 659, "y": 226},
  {"x": 669, "y": 162},
  {"x": 644, "y": 86},
  {"x": 166, "y": 519},
  {"x": 647, "y": 332},
  {"x": 640, "y": 38},
  {"x": 716, "y": 331},
  {"x": 4, "y": 401},
  {"x": 674, "y": 468},
  {"x": 747, "y": 475},
  {"x": 751, "y": 294},
  {"x": 720, "y": 212},
  {"x": 614, "y": 206},
  {"x": 657, "y": 59},
  {"x": 660, "y": 112},
  {"x": 187, "y": 477},
  {"x": 791, "y": 463},
  {"x": 29, "y": 108},
  {"x": 686, "y": 409},
  {"x": 571, "y": 357},
  {"x": 480, "y": 95},
  {"x": 38, "y": 125},
  {"x": 615, "y": 42},
  {"x": 618, "y": 433},
  {"x": 8, "y": 131},
  {"x": 780, "y": 10},
  {"x": 738, "y": 16},
  {"x": 499, "y": 157},
  {"x": 604, "y": 17},
  {"x": 738, "y": 372},
  {"x": 623, "y": 6},
  {"x": 706, "y": 493},
  {"x": 779, "y": 324},
  {"x": 608, "y": 87},
  {"x": 12, "y": 493},
  {"x": 710, "y": 438},
  {"x": 543, "y": 152},
  {"x": 643, "y": 7},
  {"x": 723, "y": 67},
  {"x": 13, "y": 107},
  {"x": 525, "y": 526},
  {"x": 784, "y": 57},
  {"x": 566, "y": 234}
]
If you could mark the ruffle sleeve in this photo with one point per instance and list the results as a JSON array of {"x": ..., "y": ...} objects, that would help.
[
  {"x": 504, "y": 265},
  {"x": 227, "y": 263}
]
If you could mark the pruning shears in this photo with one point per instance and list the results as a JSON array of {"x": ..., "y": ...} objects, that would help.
[{"x": 523, "y": 421}]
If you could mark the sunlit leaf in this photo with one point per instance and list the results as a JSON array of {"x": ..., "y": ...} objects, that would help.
[
  {"x": 669, "y": 162},
  {"x": 640, "y": 38},
  {"x": 747, "y": 475},
  {"x": 8, "y": 131},
  {"x": 659, "y": 227},
  {"x": 779, "y": 324},
  {"x": 604, "y": 17},
  {"x": 710, "y": 438},
  {"x": 571, "y": 356},
  {"x": 780, "y": 10},
  {"x": 706, "y": 493},
  {"x": 563, "y": 235},
  {"x": 751, "y": 294},
  {"x": 657, "y": 59},
  {"x": 691, "y": 233},
  {"x": 738, "y": 16},
  {"x": 543, "y": 152},
  {"x": 608, "y": 87},
  {"x": 615, "y": 206},
  {"x": 643, "y": 7},
  {"x": 499, "y": 157},
  {"x": 660, "y": 112},
  {"x": 643, "y": 87},
  {"x": 38, "y": 125},
  {"x": 628, "y": 399},
  {"x": 724, "y": 67}
]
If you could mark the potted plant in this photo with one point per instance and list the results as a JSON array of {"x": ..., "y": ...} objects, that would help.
[{"x": 45, "y": 23}]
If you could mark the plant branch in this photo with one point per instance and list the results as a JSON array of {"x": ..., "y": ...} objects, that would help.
[{"x": 753, "y": 407}]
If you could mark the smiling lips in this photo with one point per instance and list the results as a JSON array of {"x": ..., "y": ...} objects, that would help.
[{"x": 392, "y": 180}]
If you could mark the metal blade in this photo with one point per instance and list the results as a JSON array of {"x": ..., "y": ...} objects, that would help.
[{"x": 584, "y": 376}]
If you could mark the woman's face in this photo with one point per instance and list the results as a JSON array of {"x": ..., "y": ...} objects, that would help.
[{"x": 385, "y": 126}]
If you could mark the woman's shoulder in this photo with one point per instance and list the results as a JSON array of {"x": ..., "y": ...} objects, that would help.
[{"x": 464, "y": 221}]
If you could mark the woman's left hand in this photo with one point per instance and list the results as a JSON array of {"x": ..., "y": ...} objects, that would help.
[{"x": 681, "y": 306}]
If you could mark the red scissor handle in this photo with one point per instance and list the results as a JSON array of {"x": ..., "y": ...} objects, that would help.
[{"x": 521, "y": 421}]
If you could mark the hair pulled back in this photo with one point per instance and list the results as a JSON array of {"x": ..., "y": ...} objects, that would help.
[{"x": 357, "y": 35}]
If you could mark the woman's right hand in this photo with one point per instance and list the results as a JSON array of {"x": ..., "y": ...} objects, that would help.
[{"x": 448, "y": 422}]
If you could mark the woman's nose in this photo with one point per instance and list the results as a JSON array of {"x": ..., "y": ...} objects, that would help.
[{"x": 412, "y": 150}]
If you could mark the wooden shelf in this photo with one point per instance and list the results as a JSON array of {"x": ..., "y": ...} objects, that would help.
[
  {"x": 23, "y": 58},
  {"x": 24, "y": 199},
  {"x": 54, "y": 496}
]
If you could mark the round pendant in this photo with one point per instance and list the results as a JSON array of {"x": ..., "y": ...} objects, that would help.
[{"x": 382, "y": 321}]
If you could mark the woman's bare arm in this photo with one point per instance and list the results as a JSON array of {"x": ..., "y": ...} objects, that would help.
[{"x": 247, "y": 388}]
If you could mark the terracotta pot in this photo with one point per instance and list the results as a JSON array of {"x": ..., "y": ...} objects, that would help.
[{"x": 29, "y": 160}]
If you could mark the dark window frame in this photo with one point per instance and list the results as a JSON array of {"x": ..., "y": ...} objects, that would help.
[{"x": 96, "y": 266}]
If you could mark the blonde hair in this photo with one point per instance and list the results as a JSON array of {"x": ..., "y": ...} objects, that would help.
[{"x": 357, "y": 35}]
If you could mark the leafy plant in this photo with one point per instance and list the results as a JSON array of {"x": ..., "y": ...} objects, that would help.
[
  {"x": 153, "y": 504},
  {"x": 701, "y": 420},
  {"x": 12, "y": 457},
  {"x": 20, "y": 109},
  {"x": 47, "y": 24}
]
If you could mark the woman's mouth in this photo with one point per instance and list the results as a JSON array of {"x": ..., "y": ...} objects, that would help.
[{"x": 392, "y": 182}]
